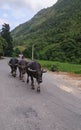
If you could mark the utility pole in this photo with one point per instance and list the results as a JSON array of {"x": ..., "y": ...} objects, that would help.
[{"x": 33, "y": 52}]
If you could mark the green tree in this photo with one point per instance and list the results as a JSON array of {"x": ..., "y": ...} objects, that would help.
[
  {"x": 16, "y": 52},
  {"x": 5, "y": 33},
  {"x": 3, "y": 45}
]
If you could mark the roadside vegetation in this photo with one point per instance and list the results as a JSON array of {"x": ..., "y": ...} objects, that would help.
[{"x": 60, "y": 66}]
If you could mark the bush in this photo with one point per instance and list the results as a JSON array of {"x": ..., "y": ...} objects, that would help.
[{"x": 54, "y": 68}]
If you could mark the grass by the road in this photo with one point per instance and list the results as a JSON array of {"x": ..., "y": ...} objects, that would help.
[{"x": 64, "y": 67}]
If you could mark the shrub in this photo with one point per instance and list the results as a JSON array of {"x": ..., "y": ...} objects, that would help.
[{"x": 54, "y": 68}]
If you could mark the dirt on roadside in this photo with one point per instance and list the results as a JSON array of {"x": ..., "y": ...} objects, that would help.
[
  {"x": 69, "y": 75},
  {"x": 74, "y": 79}
]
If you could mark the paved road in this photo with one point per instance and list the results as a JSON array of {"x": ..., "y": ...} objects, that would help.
[{"x": 24, "y": 109}]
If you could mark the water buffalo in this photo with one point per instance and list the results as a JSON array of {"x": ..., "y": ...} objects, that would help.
[
  {"x": 13, "y": 63},
  {"x": 22, "y": 64},
  {"x": 34, "y": 70}
]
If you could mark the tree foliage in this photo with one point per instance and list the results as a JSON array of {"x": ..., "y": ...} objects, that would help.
[
  {"x": 5, "y": 33},
  {"x": 3, "y": 45}
]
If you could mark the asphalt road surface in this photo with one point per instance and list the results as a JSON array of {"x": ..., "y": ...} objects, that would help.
[{"x": 56, "y": 107}]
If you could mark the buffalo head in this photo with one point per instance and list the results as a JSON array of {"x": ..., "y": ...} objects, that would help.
[{"x": 13, "y": 63}]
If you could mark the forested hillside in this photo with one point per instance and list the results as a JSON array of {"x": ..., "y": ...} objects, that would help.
[{"x": 55, "y": 31}]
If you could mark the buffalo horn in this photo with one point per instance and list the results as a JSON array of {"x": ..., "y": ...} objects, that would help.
[
  {"x": 16, "y": 64},
  {"x": 31, "y": 70},
  {"x": 44, "y": 71}
]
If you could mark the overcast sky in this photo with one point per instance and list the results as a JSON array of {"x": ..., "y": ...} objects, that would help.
[{"x": 15, "y": 12}]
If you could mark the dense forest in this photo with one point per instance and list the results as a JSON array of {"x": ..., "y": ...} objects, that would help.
[{"x": 55, "y": 33}]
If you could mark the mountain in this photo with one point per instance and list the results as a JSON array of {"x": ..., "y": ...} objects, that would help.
[{"x": 55, "y": 31}]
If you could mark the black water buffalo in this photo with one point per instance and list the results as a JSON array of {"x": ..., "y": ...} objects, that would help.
[
  {"x": 22, "y": 64},
  {"x": 13, "y": 63},
  {"x": 34, "y": 70}
]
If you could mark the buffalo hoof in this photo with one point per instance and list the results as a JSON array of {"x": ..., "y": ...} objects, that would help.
[
  {"x": 32, "y": 88},
  {"x": 14, "y": 75},
  {"x": 27, "y": 81},
  {"x": 38, "y": 89}
]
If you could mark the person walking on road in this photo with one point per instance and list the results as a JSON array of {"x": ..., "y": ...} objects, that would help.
[{"x": 20, "y": 56}]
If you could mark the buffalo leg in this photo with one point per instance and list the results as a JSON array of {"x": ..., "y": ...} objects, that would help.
[
  {"x": 38, "y": 88},
  {"x": 27, "y": 78},
  {"x": 20, "y": 74},
  {"x": 14, "y": 73},
  {"x": 23, "y": 78},
  {"x": 32, "y": 83}
]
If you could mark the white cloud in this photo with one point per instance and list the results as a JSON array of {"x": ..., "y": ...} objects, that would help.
[
  {"x": 43, "y": 3},
  {"x": 32, "y": 4},
  {"x": 5, "y": 15},
  {"x": 2, "y": 21},
  {"x": 16, "y": 12}
]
